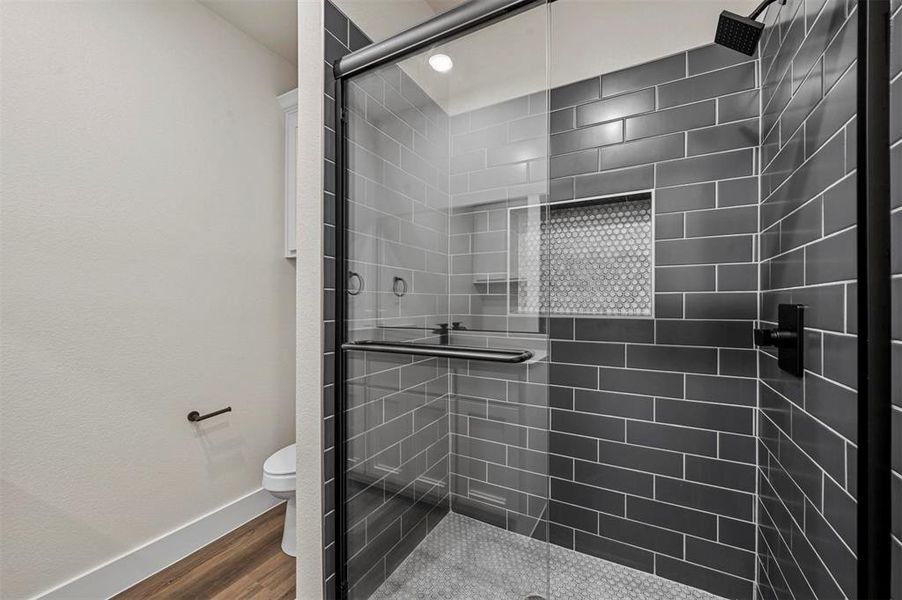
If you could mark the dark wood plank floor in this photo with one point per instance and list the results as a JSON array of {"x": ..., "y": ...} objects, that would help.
[{"x": 246, "y": 563}]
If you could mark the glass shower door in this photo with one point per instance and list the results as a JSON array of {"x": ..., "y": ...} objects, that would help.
[{"x": 445, "y": 475}]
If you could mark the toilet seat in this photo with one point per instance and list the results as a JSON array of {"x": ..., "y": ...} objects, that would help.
[{"x": 279, "y": 470}]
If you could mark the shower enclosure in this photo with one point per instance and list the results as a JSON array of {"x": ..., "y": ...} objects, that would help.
[{"x": 557, "y": 372}]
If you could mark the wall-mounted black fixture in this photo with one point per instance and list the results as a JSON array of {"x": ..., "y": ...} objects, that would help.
[
  {"x": 195, "y": 416},
  {"x": 399, "y": 286},
  {"x": 444, "y": 331},
  {"x": 787, "y": 338},
  {"x": 741, "y": 33}
]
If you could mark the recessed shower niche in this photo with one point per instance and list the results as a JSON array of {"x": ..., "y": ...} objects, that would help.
[{"x": 590, "y": 257}]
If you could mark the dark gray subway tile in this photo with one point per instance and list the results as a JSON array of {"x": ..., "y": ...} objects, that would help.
[
  {"x": 573, "y": 516},
  {"x": 721, "y": 389},
  {"x": 335, "y": 22},
  {"x": 734, "y": 107},
  {"x": 672, "y": 437},
  {"x": 720, "y": 501},
  {"x": 615, "y": 330},
  {"x": 732, "y": 419},
  {"x": 634, "y": 381},
  {"x": 573, "y": 375},
  {"x": 725, "y": 334},
  {"x": 841, "y": 359},
  {"x": 722, "y": 306},
  {"x": 575, "y": 93},
  {"x": 617, "y": 107},
  {"x": 737, "y": 163},
  {"x": 669, "y": 226},
  {"x": 713, "y": 57},
  {"x": 613, "y": 404},
  {"x": 722, "y": 558},
  {"x": 669, "y": 306},
  {"x": 831, "y": 259},
  {"x": 686, "y": 197},
  {"x": 561, "y": 328},
  {"x": 574, "y": 163},
  {"x": 589, "y": 137},
  {"x": 597, "y": 426},
  {"x": 732, "y": 136},
  {"x": 614, "y": 478},
  {"x": 802, "y": 102},
  {"x": 562, "y": 120},
  {"x": 561, "y": 189},
  {"x": 840, "y": 204},
  {"x": 644, "y": 75},
  {"x": 643, "y": 151},
  {"x": 677, "y": 518},
  {"x": 641, "y": 535},
  {"x": 651, "y": 460},
  {"x": 843, "y": 51},
  {"x": 615, "y": 182},
  {"x": 588, "y": 496},
  {"x": 828, "y": 23},
  {"x": 710, "y": 85},
  {"x": 572, "y": 445},
  {"x": 809, "y": 181},
  {"x": 614, "y": 551},
  {"x": 588, "y": 353},
  {"x": 516, "y": 152},
  {"x": 738, "y": 363},
  {"x": 822, "y": 445},
  {"x": 802, "y": 226},
  {"x": 501, "y": 112},
  {"x": 737, "y": 277},
  {"x": 672, "y": 358},
  {"x": 722, "y": 221},
  {"x": 686, "y": 279},
  {"x": 683, "y": 118},
  {"x": 730, "y": 249},
  {"x": 721, "y": 473},
  {"x": 828, "y": 117}
]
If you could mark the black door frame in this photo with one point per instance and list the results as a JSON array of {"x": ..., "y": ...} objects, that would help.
[{"x": 874, "y": 298}]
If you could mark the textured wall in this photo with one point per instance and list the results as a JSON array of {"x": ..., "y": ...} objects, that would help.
[
  {"x": 807, "y": 426},
  {"x": 651, "y": 432},
  {"x": 142, "y": 278},
  {"x": 896, "y": 223}
]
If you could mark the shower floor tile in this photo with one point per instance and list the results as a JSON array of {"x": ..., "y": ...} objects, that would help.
[{"x": 463, "y": 558}]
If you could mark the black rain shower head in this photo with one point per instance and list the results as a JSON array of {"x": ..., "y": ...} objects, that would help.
[{"x": 741, "y": 33}]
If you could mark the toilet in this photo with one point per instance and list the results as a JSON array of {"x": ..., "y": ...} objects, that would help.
[{"x": 279, "y": 480}]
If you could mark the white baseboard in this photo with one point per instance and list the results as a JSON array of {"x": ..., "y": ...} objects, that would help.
[{"x": 121, "y": 573}]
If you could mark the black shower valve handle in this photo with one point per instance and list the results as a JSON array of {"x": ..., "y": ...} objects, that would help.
[{"x": 778, "y": 338}]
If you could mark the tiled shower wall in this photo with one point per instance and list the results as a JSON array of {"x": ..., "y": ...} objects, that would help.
[
  {"x": 896, "y": 223},
  {"x": 651, "y": 436},
  {"x": 397, "y": 407},
  {"x": 807, "y": 426}
]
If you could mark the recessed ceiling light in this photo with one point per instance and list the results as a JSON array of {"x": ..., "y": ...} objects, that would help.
[{"x": 441, "y": 62}]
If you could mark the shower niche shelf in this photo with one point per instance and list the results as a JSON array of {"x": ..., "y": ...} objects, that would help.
[{"x": 586, "y": 257}]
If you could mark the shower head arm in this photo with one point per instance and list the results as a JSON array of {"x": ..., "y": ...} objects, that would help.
[{"x": 757, "y": 12}]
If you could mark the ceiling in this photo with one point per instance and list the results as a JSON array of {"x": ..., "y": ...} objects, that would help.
[
  {"x": 564, "y": 42},
  {"x": 272, "y": 23}
]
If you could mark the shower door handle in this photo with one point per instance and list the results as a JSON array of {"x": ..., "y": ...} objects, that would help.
[{"x": 503, "y": 355}]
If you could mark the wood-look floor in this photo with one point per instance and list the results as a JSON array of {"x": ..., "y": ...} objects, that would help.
[{"x": 246, "y": 563}]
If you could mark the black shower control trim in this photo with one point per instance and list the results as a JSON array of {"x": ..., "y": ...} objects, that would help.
[{"x": 787, "y": 338}]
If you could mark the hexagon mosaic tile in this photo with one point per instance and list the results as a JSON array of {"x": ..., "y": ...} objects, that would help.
[
  {"x": 588, "y": 259},
  {"x": 466, "y": 559}
]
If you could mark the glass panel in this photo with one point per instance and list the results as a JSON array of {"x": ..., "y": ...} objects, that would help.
[{"x": 447, "y": 467}]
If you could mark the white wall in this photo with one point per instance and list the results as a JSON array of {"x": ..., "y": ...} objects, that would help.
[
  {"x": 309, "y": 234},
  {"x": 142, "y": 277}
]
